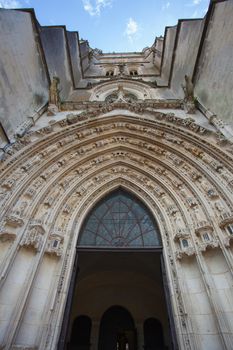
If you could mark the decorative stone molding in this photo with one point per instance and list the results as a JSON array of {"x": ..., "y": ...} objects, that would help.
[
  {"x": 203, "y": 226},
  {"x": 212, "y": 244},
  {"x": 181, "y": 233},
  {"x": 226, "y": 218}
]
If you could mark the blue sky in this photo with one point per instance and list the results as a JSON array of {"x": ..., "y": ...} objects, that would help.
[{"x": 114, "y": 25}]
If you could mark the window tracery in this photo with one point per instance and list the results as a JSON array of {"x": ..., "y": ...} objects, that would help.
[{"x": 120, "y": 220}]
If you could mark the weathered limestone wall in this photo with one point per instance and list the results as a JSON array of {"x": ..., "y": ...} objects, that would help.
[
  {"x": 189, "y": 35},
  {"x": 84, "y": 49},
  {"x": 169, "y": 43},
  {"x": 214, "y": 79},
  {"x": 23, "y": 79},
  {"x": 55, "y": 46},
  {"x": 73, "y": 43}
]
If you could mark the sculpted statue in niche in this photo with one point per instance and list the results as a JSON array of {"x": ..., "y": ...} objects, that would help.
[
  {"x": 166, "y": 200},
  {"x": 52, "y": 169},
  {"x": 179, "y": 223},
  {"x": 209, "y": 190},
  {"x": 32, "y": 162},
  {"x": 4, "y": 194},
  {"x": 195, "y": 176},
  {"x": 49, "y": 150},
  {"x": 189, "y": 100},
  {"x": 150, "y": 164},
  {"x": 42, "y": 214},
  {"x": 194, "y": 150},
  {"x": 219, "y": 206},
  {"x": 54, "y": 98},
  {"x": 192, "y": 202},
  {"x": 10, "y": 182},
  {"x": 50, "y": 199},
  {"x": 20, "y": 209},
  {"x": 225, "y": 174},
  {"x": 199, "y": 215}
]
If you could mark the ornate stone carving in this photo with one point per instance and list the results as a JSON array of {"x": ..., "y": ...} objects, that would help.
[
  {"x": 14, "y": 221},
  {"x": 51, "y": 198},
  {"x": 206, "y": 239},
  {"x": 54, "y": 242},
  {"x": 189, "y": 101},
  {"x": 184, "y": 252},
  {"x": 208, "y": 245},
  {"x": 54, "y": 98},
  {"x": 33, "y": 236},
  {"x": 20, "y": 209},
  {"x": 5, "y": 234}
]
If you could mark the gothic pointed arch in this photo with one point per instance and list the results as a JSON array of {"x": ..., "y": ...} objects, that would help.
[{"x": 120, "y": 220}]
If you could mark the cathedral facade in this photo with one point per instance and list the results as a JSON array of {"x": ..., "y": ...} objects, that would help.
[{"x": 116, "y": 226}]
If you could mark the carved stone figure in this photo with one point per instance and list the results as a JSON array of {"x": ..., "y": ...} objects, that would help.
[
  {"x": 54, "y": 98},
  {"x": 189, "y": 101}
]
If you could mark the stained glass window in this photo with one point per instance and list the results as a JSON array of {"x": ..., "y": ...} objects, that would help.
[{"x": 120, "y": 220}]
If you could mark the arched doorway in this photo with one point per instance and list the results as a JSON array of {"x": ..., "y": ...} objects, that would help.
[
  {"x": 117, "y": 330},
  {"x": 119, "y": 259},
  {"x": 81, "y": 331},
  {"x": 153, "y": 334}
]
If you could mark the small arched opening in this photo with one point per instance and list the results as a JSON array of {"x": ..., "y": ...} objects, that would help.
[
  {"x": 81, "y": 332},
  {"x": 117, "y": 330},
  {"x": 153, "y": 334}
]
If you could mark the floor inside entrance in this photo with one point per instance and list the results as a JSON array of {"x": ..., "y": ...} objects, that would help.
[{"x": 119, "y": 302}]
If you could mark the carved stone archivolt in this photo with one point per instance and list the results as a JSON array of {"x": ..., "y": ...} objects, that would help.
[{"x": 56, "y": 180}]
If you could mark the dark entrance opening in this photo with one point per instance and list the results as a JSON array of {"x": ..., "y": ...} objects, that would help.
[
  {"x": 117, "y": 330},
  {"x": 153, "y": 335},
  {"x": 119, "y": 259},
  {"x": 81, "y": 331}
]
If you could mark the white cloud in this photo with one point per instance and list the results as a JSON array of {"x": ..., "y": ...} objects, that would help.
[
  {"x": 10, "y": 4},
  {"x": 94, "y": 7},
  {"x": 165, "y": 6},
  {"x": 194, "y": 3},
  {"x": 131, "y": 28}
]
